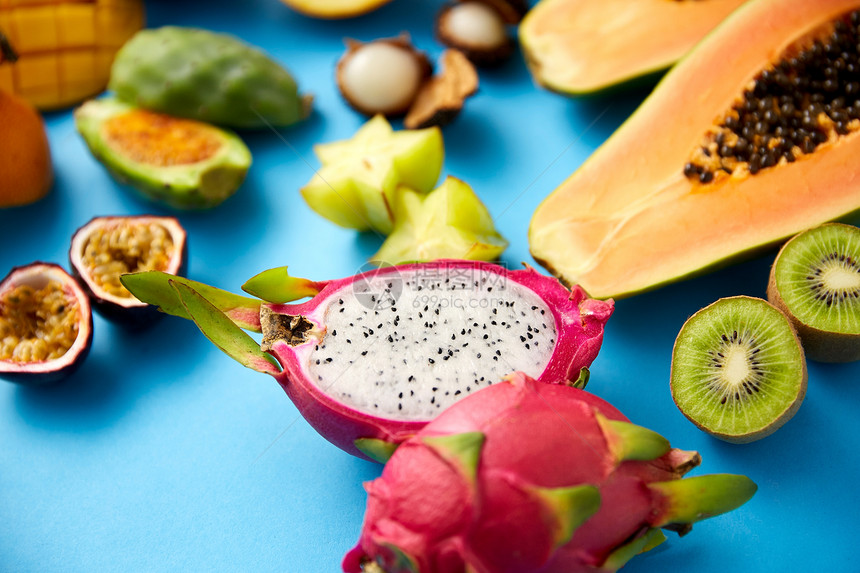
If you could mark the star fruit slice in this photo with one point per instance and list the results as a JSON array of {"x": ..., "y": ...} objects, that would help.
[
  {"x": 355, "y": 186},
  {"x": 450, "y": 222}
]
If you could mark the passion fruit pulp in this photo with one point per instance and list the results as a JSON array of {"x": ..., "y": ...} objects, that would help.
[
  {"x": 108, "y": 247},
  {"x": 46, "y": 324}
]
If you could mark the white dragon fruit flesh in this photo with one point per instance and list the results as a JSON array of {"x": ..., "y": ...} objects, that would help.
[
  {"x": 523, "y": 477},
  {"x": 371, "y": 358}
]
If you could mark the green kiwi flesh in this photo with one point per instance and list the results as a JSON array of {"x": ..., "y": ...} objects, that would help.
[
  {"x": 815, "y": 280},
  {"x": 738, "y": 369}
]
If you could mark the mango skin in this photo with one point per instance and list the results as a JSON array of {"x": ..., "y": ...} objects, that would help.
[{"x": 210, "y": 77}]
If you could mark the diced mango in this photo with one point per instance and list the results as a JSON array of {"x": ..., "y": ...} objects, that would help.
[{"x": 65, "y": 47}]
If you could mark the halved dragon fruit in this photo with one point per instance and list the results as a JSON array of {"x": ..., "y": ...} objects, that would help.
[
  {"x": 524, "y": 477},
  {"x": 370, "y": 359}
]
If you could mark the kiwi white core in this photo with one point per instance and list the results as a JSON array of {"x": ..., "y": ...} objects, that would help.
[
  {"x": 838, "y": 277},
  {"x": 736, "y": 368}
]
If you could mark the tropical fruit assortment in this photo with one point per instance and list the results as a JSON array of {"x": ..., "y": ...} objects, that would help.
[
  {"x": 65, "y": 48},
  {"x": 467, "y": 379},
  {"x": 176, "y": 93}
]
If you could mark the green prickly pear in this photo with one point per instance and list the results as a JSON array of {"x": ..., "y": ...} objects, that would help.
[{"x": 203, "y": 75}]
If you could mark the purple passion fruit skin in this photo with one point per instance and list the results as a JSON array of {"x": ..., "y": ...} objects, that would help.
[
  {"x": 46, "y": 325},
  {"x": 108, "y": 247}
]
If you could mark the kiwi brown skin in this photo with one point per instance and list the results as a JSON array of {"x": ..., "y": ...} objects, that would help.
[
  {"x": 819, "y": 345},
  {"x": 780, "y": 421}
]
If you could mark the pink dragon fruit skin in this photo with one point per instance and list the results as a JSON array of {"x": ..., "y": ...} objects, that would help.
[
  {"x": 370, "y": 359},
  {"x": 579, "y": 321},
  {"x": 523, "y": 477}
]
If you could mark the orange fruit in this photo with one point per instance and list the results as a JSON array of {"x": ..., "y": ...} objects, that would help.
[
  {"x": 26, "y": 173},
  {"x": 334, "y": 9}
]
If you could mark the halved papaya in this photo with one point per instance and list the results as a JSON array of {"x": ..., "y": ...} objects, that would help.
[
  {"x": 751, "y": 138},
  {"x": 584, "y": 46}
]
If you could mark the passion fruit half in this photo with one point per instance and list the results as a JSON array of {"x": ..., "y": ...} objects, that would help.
[
  {"x": 108, "y": 247},
  {"x": 46, "y": 324}
]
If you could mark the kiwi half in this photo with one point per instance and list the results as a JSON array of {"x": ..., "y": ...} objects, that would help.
[
  {"x": 815, "y": 280},
  {"x": 738, "y": 369}
]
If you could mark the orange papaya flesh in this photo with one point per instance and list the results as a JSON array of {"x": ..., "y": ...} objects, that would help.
[
  {"x": 638, "y": 214},
  {"x": 161, "y": 140},
  {"x": 580, "y": 47}
]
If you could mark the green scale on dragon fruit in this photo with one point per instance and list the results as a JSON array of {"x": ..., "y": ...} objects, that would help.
[
  {"x": 370, "y": 359},
  {"x": 524, "y": 477}
]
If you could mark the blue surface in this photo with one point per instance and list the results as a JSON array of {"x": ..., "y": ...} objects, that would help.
[{"x": 162, "y": 454}]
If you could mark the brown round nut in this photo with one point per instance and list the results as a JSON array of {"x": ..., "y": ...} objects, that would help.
[
  {"x": 477, "y": 29},
  {"x": 382, "y": 76}
]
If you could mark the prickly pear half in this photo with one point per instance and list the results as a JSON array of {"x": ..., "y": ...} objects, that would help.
[
  {"x": 210, "y": 77},
  {"x": 370, "y": 359},
  {"x": 523, "y": 477}
]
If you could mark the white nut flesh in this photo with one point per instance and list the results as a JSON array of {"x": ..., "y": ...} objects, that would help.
[
  {"x": 476, "y": 24},
  {"x": 380, "y": 77}
]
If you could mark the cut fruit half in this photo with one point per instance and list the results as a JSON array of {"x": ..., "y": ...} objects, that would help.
[
  {"x": 46, "y": 325},
  {"x": 738, "y": 370},
  {"x": 183, "y": 163},
  {"x": 108, "y": 247},
  {"x": 579, "y": 47},
  {"x": 726, "y": 157},
  {"x": 815, "y": 280}
]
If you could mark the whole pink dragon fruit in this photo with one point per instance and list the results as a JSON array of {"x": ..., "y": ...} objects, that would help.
[
  {"x": 524, "y": 477},
  {"x": 370, "y": 359}
]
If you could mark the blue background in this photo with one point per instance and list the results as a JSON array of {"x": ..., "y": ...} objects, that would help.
[{"x": 162, "y": 454}]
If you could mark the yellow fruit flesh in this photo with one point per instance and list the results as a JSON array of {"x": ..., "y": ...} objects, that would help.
[
  {"x": 334, "y": 9},
  {"x": 161, "y": 140},
  {"x": 112, "y": 251},
  {"x": 37, "y": 324},
  {"x": 65, "y": 48}
]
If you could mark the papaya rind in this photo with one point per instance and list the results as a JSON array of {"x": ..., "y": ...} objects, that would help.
[
  {"x": 540, "y": 52},
  {"x": 548, "y": 246}
]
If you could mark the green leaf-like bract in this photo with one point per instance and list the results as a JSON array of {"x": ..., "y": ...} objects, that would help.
[
  {"x": 223, "y": 332},
  {"x": 277, "y": 286},
  {"x": 153, "y": 287},
  {"x": 692, "y": 499}
]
